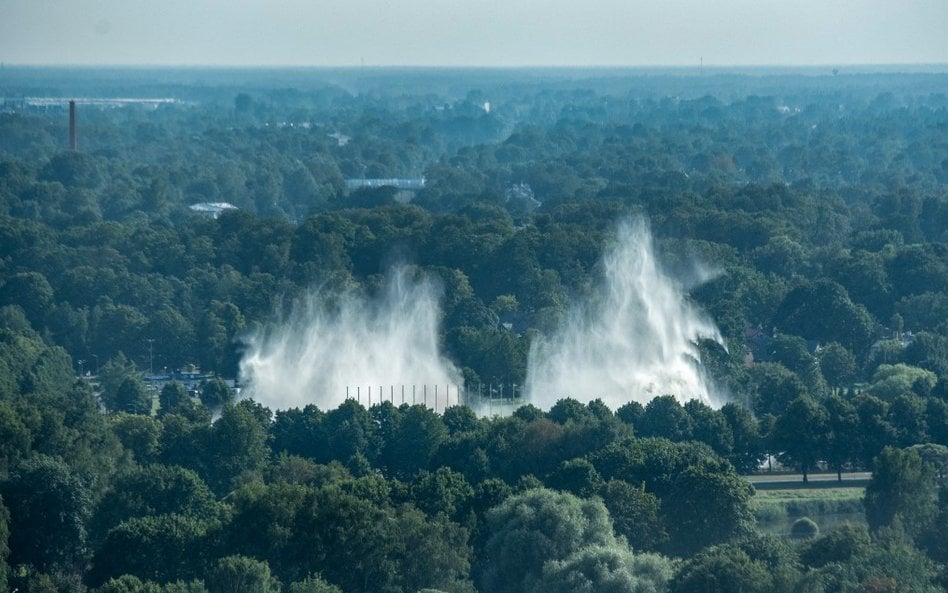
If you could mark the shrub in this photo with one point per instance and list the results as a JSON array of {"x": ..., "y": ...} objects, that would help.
[{"x": 804, "y": 528}]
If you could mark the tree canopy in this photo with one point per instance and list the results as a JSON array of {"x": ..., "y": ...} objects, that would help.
[{"x": 804, "y": 215}]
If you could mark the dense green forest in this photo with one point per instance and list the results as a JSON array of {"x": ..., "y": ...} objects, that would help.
[{"x": 814, "y": 205}]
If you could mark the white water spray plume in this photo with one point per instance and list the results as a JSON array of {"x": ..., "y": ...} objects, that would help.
[
  {"x": 635, "y": 338},
  {"x": 320, "y": 351}
]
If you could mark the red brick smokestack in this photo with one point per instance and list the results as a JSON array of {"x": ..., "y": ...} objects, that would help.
[{"x": 73, "y": 133}]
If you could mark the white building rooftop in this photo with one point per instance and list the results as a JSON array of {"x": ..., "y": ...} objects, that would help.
[{"x": 212, "y": 209}]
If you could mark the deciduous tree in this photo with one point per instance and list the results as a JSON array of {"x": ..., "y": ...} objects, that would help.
[{"x": 902, "y": 489}]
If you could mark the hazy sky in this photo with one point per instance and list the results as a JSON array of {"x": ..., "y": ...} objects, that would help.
[{"x": 471, "y": 32}]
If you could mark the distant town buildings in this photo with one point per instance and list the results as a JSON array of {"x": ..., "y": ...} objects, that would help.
[
  {"x": 521, "y": 196},
  {"x": 340, "y": 138},
  {"x": 192, "y": 380}
]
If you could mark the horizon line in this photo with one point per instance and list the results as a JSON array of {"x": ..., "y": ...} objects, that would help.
[{"x": 358, "y": 66}]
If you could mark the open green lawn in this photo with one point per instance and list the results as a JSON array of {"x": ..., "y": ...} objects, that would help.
[{"x": 776, "y": 510}]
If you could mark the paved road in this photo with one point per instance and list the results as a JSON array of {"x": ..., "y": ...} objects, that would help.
[{"x": 822, "y": 480}]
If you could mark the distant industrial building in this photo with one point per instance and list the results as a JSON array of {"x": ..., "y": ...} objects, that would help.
[
  {"x": 212, "y": 209},
  {"x": 403, "y": 184},
  {"x": 57, "y": 102}
]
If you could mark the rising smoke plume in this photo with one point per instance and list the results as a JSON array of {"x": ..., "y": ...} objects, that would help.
[
  {"x": 633, "y": 339},
  {"x": 321, "y": 350}
]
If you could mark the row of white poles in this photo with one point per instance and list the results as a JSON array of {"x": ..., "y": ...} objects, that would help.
[{"x": 437, "y": 394}]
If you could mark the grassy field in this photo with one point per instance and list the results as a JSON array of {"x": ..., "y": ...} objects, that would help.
[{"x": 776, "y": 510}]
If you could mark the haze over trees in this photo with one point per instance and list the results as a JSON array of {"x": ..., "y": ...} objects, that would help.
[{"x": 807, "y": 215}]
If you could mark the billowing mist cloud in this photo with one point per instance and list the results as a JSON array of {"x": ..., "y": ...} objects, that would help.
[
  {"x": 321, "y": 350},
  {"x": 634, "y": 339}
]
